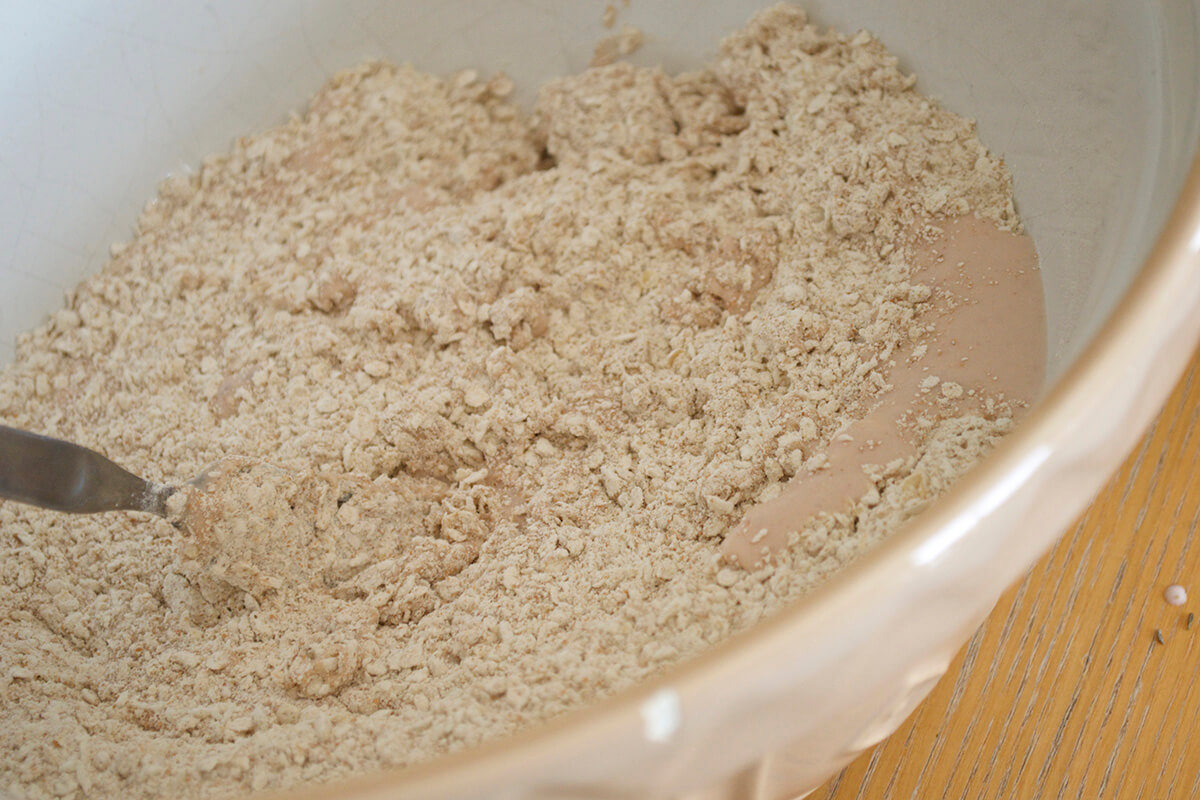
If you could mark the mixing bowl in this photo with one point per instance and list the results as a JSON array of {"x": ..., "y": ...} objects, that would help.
[{"x": 1094, "y": 104}]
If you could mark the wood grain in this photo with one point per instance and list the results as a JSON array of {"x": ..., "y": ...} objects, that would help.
[{"x": 1065, "y": 691}]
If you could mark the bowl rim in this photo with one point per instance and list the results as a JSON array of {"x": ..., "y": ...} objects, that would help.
[{"x": 1175, "y": 253}]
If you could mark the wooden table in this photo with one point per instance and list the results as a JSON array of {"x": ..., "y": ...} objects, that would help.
[{"x": 1066, "y": 691}]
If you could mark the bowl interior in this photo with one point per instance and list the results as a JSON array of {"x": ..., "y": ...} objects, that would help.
[{"x": 1095, "y": 105}]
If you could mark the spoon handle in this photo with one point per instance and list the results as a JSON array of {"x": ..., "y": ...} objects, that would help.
[{"x": 62, "y": 476}]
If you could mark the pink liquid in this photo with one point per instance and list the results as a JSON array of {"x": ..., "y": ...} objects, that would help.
[{"x": 988, "y": 340}]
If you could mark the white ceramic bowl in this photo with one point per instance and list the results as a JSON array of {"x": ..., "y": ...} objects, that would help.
[{"x": 1095, "y": 104}]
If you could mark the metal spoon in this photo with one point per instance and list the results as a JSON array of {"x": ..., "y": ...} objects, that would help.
[{"x": 62, "y": 476}]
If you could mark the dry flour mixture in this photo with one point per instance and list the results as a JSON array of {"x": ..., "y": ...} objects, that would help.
[{"x": 492, "y": 388}]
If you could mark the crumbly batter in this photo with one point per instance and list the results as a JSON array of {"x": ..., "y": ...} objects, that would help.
[{"x": 496, "y": 388}]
